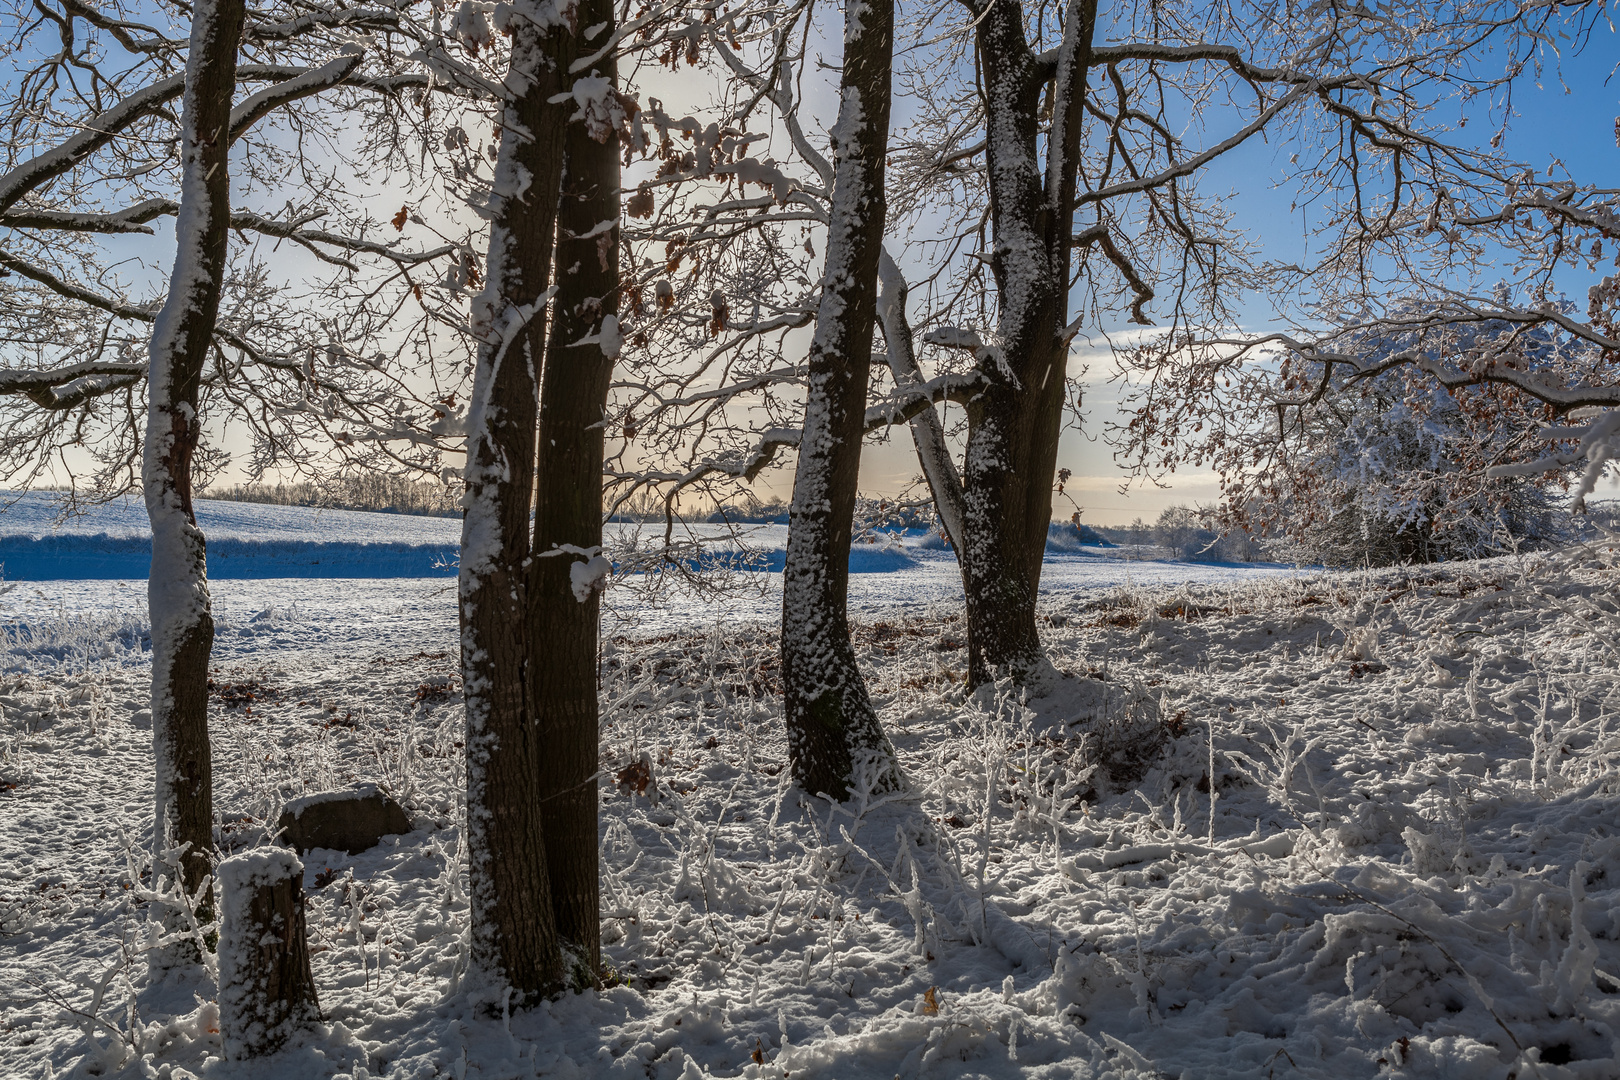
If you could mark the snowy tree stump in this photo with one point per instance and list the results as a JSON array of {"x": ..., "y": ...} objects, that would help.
[{"x": 266, "y": 991}]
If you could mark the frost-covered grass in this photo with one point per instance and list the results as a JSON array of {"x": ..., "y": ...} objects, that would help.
[{"x": 1338, "y": 825}]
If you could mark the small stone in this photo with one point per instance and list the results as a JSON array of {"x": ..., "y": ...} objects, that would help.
[{"x": 352, "y": 820}]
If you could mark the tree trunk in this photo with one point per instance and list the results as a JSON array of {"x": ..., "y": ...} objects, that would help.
[
  {"x": 564, "y": 592},
  {"x": 266, "y": 990},
  {"x": 514, "y": 936},
  {"x": 927, "y": 433},
  {"x": 177, "y": 588},
  {"x": 832, "y": 729},
  {"x": 1015, "y": 423}
]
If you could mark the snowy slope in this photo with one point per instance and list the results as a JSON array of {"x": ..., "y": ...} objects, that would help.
[
  {"x": 1405, "y": 860},
  {"x": 251, "y": 540},
  {"x": 245, "y": 540}
]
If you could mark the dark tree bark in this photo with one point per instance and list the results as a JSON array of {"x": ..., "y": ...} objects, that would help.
[
  {"x": 1013, "y": 427},
  {"x": 266, "y": 990},
  {"x": 514, "y": 934},
  {"x": 832, "y": 728},
  {"x": 177, "y": 588},
  {"x": 564, "y": 577}
]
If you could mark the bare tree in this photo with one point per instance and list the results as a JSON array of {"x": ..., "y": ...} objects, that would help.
[
  {"x": 82, "y": 167},
  {"x": 182, "y": 619},
  {"x": 530, "y": 594},
  {"x": 832, "y": 728},
  {"x": 569, "y": 570}
]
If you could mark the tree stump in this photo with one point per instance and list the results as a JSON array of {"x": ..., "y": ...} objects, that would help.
[{"x": 266, "y": 991}]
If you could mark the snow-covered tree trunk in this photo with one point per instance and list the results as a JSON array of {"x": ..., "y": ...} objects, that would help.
[
  {"x": 266, "y": 990},
  {"x": 832, "y": 728},
  {"x": 1014, "y": 424},
  {"x": 514, "y": 935},
  {"x": 569, "y": 570},
  {"x": 177, "y": 590}
]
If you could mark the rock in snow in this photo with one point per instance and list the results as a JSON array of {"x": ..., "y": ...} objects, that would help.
[{"x": 353, "y": 820}]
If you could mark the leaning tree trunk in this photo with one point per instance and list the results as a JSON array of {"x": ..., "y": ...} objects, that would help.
[
  {"x": 568, "y": 569},
  {"x": 1015, "y": 423},
  {"x": 832, "y": 728},
  {"x": 514, "y": 937},
  {"x": 177, "y": 590},
  {"x": 927, "y": 432}
]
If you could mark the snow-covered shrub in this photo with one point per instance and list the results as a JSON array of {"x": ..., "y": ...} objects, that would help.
[{"x": 1402, "y": 479}]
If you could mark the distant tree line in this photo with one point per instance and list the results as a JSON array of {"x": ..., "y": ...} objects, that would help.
[{"x": 377, "y": 492}]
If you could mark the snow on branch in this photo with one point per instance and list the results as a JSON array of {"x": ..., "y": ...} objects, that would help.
[
  {"x": 120, "y": 29},
  {"x": 305, "y": 84},
  {"x": 356, "y": 18},
  {"x": 902, "y": 405},
  {"x": 97, "y": 132},
  {"x": 131, "y": 219},
  {"x": 71, "y": 386},
  {"x": 1597, "y": 444}
]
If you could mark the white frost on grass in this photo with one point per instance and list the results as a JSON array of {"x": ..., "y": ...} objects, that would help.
[{"x": 1023, "y": 916}]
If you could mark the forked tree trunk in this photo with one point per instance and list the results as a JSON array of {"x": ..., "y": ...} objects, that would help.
[
  {"x": 832, "y": 728},
  {"x": 1015, "y": 423},
  {"x": 565, "y": 575},
  {"x": 514, "y": 936},
  {"x": 177, "y": 588},
  {"x": 266, "y": 991}
]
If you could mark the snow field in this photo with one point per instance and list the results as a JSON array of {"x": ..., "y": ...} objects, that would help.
[{"x": 1404, "y": 861}]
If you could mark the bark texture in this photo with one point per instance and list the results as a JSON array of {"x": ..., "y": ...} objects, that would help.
[
  {"x": 832, "y": 728},
  {"x": 514, "y": 935},
  {"x": 1013, "y": 426},
  {"x": 177, "y": 587},
  {"x": 564, "y": 602}
]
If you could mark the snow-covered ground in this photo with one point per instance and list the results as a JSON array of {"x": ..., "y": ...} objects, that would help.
[
  {"x": 1406, "y": 864},
  {"x": 40, "y": 541}
]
